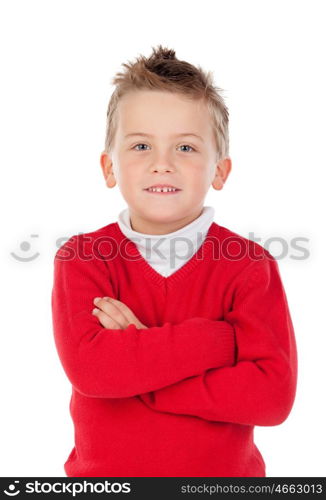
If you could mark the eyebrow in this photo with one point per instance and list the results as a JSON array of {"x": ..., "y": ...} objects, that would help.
[{"x": 176, "y": 135}]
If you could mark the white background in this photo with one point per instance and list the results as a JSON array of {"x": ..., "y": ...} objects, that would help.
[{"x": 57, "y": 61}]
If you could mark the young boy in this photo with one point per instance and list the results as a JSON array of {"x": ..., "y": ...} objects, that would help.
[{"x": 174, "y": 331}]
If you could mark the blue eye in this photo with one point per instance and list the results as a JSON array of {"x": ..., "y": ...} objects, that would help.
[
  {"x": 140, "y": 145},
  {"x": 187, "y": 146}
]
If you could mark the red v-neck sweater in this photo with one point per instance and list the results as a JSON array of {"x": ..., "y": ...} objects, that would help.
[{"x": 181, "y": 398}]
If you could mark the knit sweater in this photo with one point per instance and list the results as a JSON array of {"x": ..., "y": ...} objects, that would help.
[{"x": 180, "y": 398}]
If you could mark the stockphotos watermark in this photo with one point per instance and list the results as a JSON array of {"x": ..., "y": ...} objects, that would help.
[
  {"x": 177, "y": 248},
  {"x": 66, "y": 488}
]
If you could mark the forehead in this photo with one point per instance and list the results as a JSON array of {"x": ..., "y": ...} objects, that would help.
[{"x": 161, "y": 111}]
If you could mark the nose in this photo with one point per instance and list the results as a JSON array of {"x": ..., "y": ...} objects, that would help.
[{"x": 162, "y": 164}]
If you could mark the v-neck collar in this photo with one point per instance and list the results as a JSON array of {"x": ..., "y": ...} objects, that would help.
[{"x": 200, "y": 255}]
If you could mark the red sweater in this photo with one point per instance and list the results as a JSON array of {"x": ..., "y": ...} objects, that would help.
[{"x": 181, "y": 398}]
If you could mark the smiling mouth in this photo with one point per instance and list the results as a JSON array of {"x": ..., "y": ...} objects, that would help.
[{"x": 162, "y": 191}]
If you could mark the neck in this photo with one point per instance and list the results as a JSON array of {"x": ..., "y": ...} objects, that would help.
[{"x": 144, "y": 226}]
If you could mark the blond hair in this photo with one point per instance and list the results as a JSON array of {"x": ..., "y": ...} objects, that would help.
[{"x": 163, "y": 71}]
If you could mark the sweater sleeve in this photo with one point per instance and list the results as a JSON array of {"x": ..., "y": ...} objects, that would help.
[
  {"x": 260, "y": 388},
  {"x": 118, "y": 363}
]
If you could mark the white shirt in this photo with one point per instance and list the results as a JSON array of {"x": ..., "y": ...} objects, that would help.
[{"x": 168, "y": 252}]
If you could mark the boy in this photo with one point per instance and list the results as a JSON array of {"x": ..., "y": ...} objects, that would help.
[{"x": 173, "y": 360}]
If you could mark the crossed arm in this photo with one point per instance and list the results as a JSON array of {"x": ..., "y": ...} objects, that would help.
[
  {"x": 260, "y": 388},
  {"x": 188, "y": 368},
  {"x": 126, "y": 358}
]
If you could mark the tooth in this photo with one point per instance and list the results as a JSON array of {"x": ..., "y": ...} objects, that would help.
[{"x": 162, "y": 190}]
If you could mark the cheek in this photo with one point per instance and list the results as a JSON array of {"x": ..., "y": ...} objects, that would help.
[
  {"x": 131, "y": 180},
  {"x": 197, "y": 177},
  {"x": 128, "y": 171}
]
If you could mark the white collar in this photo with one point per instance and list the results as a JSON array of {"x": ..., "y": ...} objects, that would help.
[{"x": 168, "y": 252}]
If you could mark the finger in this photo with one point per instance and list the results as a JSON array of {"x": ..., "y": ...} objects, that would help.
[
  {"x": 123, "y": 308},
  {"x": 109, "y": 308},
  {"x": 106, "y": 320}
]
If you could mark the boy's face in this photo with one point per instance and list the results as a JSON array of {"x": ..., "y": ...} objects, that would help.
[{"x": 163, "y": 156}]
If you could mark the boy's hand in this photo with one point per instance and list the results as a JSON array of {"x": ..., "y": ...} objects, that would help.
[{"x": 114, "y": 314}]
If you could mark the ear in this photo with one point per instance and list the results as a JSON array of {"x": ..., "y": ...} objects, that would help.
[
  {"x": 107, "y": 169},
  {"x": 221, "y": 173}
]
